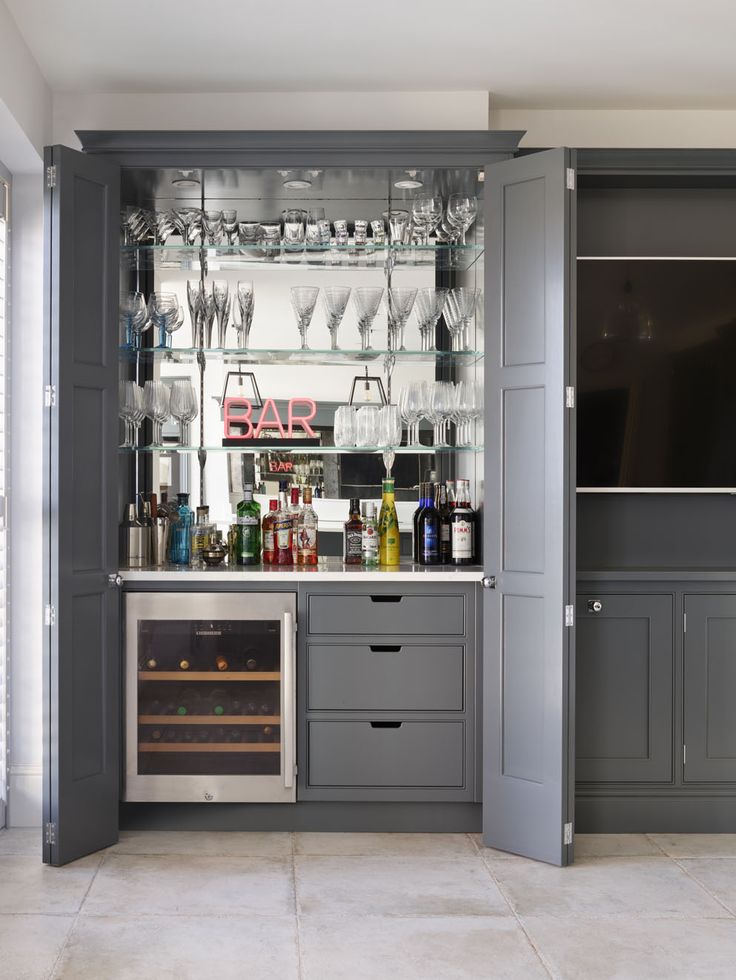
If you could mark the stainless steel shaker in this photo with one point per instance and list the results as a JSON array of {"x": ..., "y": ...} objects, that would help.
[
  {"x": 135, "y": 541},
  {"x": 160, "y": 534}
]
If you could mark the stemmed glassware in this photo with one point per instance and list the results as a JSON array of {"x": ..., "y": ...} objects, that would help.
[
  {"x": 412, "y": 406},
  {"x": 166, "y": 225},
  {"x": 400, "y": 304},
  {"x": 131, "y": 411},
  {"x": 335, "y": 301},
  {"x": 156, "y": 407},
  {"x": 430, "y": 303},
  {"x": 230, "y": 225},
  {"x": 461, "y": 212},
  {"x": 134, "y": 318},
  {"x": 247, "y": 304},
  {"x": 468, "y": 407},
  {"x": 195, "y": 300},
  {"x": 208, "y": 318},
  {"x": 440, "y": 408},
  {"x": 212, "y": 226},
  {"x": 303, "y": 301},
  {"x": 426, "y": 212},
  {"x": 461, "y": 309},
  {"x": 188, "y": 221},
  {"x": 163, "y": 309},
  {"x": 183, "y": 406},
  {"x": 367, "y": 299},
  {"x": 173, "y": 324},
  {"x": 221, "y": 297}
]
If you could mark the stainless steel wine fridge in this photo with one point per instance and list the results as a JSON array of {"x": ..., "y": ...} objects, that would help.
[{"x": 210, "y": 697}]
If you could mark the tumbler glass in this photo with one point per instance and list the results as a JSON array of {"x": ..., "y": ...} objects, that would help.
[
  {"x": 367, "y": 425},
  {"x": 345, "y": 425}
]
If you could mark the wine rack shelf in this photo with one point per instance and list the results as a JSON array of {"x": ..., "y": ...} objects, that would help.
[
  {"x": 209, "y": 747},
  {"x": 209, "y": 675},
  {"x": 209, "y": 720}
]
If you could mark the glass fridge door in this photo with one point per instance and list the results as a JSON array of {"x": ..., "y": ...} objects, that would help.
[{"x": 210, "y": 697}]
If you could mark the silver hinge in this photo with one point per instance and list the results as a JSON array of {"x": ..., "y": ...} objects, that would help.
[
  {"x": 51, "y": 177},
  {"x": 567, "y": 833},
  {"x": 570, "y": 179},
  {"x": 49, "y": 396},
  {"x": 684, "y": 622},
  {"x": 49, "y": 615},
  {"x": 684, "y": 755},
  {"x": 49, "y": 834},
  {"x": 569, "y": 397},
  {"x": 569, "y": 616}
]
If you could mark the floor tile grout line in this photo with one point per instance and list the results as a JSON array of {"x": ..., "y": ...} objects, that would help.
[
  {"x": 299, "y": 963},
  {"x": 75, "y": 920},
  {"x": 704, "y": 887}
]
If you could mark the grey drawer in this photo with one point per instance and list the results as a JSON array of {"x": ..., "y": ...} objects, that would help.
[
  {"x": 359, "y": 753},
  {"x": 387, "y": 613},
  {"x": 385, "y": 677}
]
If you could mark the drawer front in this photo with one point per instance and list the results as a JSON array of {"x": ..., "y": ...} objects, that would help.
[
  {"x": 387, "y": 613},
  {"x": 364, "y": 753},
  {"x": 385, "y": 677}
]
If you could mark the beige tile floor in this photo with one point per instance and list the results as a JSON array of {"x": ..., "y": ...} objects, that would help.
[{"x": 365, "y": 906}]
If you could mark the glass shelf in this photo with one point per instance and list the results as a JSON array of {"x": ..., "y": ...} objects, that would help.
[
  {"x": 252, "y": 446},
  {"x": 335, "y": 258},
  {"x": 184, "y": 355}
]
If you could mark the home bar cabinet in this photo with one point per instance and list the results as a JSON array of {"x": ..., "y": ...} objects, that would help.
[{"x": 405, "y": 697}]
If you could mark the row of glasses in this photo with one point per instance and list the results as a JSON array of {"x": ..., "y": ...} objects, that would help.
[
  {"x": 165, "y": 314},
  {"x": 441, "y": 402},
  {"x": 133, "y": 317},
  {"x": 157, "y": 401},
  {"x": 367, "y": 426}
]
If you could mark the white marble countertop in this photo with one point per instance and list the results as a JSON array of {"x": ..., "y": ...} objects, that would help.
[{"x": 328, "y": 570}]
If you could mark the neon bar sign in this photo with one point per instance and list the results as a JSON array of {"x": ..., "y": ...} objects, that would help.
[{"x": 239, "y": 422}]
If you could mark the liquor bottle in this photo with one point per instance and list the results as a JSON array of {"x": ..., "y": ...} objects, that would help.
[
  {"x": 146, "y": 522},
  {"x": 440, "y": 502},
  {"x": 369, "y": 537},
  {"x": 462, "y": 526},
  {"x": 295, "y": 511},
  {"x": 428, "y": 531},
  {"x": 248, "y": 543},
  {"x": 265, "y": 709},
  {"x": 283, "y": 532},
  {"x": 450, "y": 484},
  {"x": 180, "y": 531},
  {"x": 184, "y": 664},
  {"x": 188, "y": 703},
  {"x": 415, "y": 520},
  {"x": 352, "y": 535},
  {"x": 217, "y": 702},
  {"x": 307, "y": 533},
  {"x": 148, "y": 663},
  {"x": 389, "y": 548},
  {"x": 221, "y": 663},
  {"x": 202, "y": 534},
  {"x": 251, "y": 663},
  {"x": 269, "y": 541}
]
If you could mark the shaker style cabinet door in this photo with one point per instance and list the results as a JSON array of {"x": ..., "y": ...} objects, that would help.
[
  {"x": 529, "y": 515},
  {"x": 710, "y": 688},
  {"x": 82, "y": 633}
]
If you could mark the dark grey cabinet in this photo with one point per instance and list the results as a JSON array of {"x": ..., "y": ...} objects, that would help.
[
  {"x": 709, "y": 701},
  {"x": 624, "y": 688}
]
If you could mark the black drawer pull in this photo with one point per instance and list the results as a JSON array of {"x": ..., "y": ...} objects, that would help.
[
  {"x": 386, "y": 598},
  {"x": 386, "y": 724},
  {"x": 384, "y": 648}
]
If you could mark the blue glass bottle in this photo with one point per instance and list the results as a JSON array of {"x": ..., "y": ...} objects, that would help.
[{"x": 179, "y": 548}]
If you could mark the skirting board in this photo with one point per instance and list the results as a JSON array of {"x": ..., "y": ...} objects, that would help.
[
  {"x": 448, "y": 818},
  {"x": 655, "y": 815}
]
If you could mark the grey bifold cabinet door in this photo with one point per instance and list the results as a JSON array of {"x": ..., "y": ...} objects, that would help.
[
  {"x": 82, "y": 641},
  {"x": 709, "y": 698},
  {"x": 529, "y": 506}
]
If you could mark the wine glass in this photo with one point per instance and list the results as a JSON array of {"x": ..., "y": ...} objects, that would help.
[
  {"x": 429, "y": 305},
  {"x": 400, "y": 304},
  {"x": 221, "y": 297},
  {"x": 183, "y": 407},
  {"x": 461, "y": 413},
  {"x": 426, "y": 212},
  {"x": 247, "y": 304},
  {"x": 367, "y": 299},
  {"x": 162, "y": 309},
  {"x": 335, "y": 301},
  {"x": 212, "y": 226},
  {"x": 130, "y": 410},
  {"x": 208, "y": 318},
  {"x": 173, "y": 324},
  {"x": 440, "y": 407},
  {"x": 461, "y": 212},
  {"x": 134, "y": 317},
  {"x": 230, "y": 225},
  {"x": 156, "y": 402},
  {"x": 166, "y": 225},
  {"x": 412, "y": 405},
  {"x": 188, "y": 221},
  {"x": 303, "y": 301},
  {"x": 195, "y": 297},
  {"x": 461, "y": 304}
]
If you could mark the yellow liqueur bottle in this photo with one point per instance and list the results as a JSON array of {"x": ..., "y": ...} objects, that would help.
[{"x": 388, "y": 527}]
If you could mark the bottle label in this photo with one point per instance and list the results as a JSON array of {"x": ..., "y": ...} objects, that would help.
[
  {"x": 283, "y": 532},
  {"x": 462, "y": 539},
  {"x": 248, "y": 519},
  {"x": 444, "y": 532},
  {"x": 307, "y": 540},
  {"x": 353, "y": 543},
  {"x": 430, "y": 541},
  {"x": 268, "y": 540},
  {"x": 369, "y": 543}
]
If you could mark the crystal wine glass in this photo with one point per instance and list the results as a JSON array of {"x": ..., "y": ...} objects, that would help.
[
  {"x": 209, "y": 312},
  {"x": 212, "y": 226},
  {"x": 166, "y": 225},
  {"x": 461, "y": 212},
  {"x": 430, "y": 303},
  {"x": 130, "y": 411},
  {"x": 247, "y": 304},
  {"x": 367, "y": 299},
  {"x": 221, "y": 297},
  {"x": 400, "y": 304},
  {"x": 173, "y": 324},
  {"x": 156, "y": 402},
  {"x": 303, "y": 301},
  {"x": 183, "y": 407},
  {"x": 426, "y": 213},
  {"x": 134, "y": 317},
  {"x": 461, "y": 303},
  {"x": 162, "y": 309},
  {"x": 441, "y": 404},
  {"x": 188, "y": 221},
  {"x": 230, "y": 225},
  {"x": 335, "y": 301},
  {"x": 195, "y": 297},
  {"x": 461, "y": 412}
]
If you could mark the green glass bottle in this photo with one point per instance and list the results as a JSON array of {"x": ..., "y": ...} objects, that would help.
[{"x": 248, "y": 540}]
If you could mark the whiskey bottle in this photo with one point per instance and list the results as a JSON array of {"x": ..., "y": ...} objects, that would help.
[
  {"x": 462, "y": 526},
  {"x": 389, "y": 548},
  {"x": 269, "y": 543},
  {"x": 352, "y": 535},
  {"x": 248, "y": 541},
  {"x": 307, "y": 532}
]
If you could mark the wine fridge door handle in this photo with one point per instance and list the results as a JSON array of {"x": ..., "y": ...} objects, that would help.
[{"x": 287, "y": 728}]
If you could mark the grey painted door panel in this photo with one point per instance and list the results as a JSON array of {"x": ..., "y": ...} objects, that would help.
[
  {"x": 710, "y": 688},
  {"x": 528, "y": 521},
  {"x": 82, "y": 670},
  {"x": 364, "y": 753},
  {"x": 624, "y": 688},
  {"x": 387, "y": 613},
  {"x": 385, "y": 677}
]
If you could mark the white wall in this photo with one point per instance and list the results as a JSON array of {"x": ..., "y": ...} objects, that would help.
[{"x": 25, "y": 101}]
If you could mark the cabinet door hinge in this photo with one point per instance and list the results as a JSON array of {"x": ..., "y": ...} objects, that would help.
[
  {"x": 49, "y": 396},
  {"x": 569, "y": 616},
  {"x": 570, "y": 179},
  {"x": 684, "y": 755},
  {"x": 569, "y": 397},
  {"x": 49, "y": 833},
  {"x": 684, "y": 622},
  {"x": 51, "y": 177},
  {"x": 567, "y": 834},
  {"x": 49, "y": 615}
]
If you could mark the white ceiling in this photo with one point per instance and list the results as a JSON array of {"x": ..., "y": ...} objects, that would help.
[{"x": 534, "y": 53}]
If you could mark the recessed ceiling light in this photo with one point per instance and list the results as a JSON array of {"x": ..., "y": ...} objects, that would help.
[
  {"x": 410, "y": 182},
  {"x": 186, "y": 178},
  {"x": 298, "y": 184}
]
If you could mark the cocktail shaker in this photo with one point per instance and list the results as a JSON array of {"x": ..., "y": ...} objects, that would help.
[
  {"x": 160, "y": 533},
  {"x": 135, "y": 541}
]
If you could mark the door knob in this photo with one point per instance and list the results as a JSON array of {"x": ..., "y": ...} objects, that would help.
[
  {"x": 594, "y": 605},
  {"x": 489, "y": 582},
  {"x": 114, "y": 581}
]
